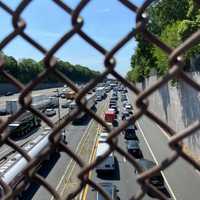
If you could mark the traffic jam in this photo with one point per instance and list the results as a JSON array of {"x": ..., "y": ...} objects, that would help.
[{"x": 120, "y": 108}]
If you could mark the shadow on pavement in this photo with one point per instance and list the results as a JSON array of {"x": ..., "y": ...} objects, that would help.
[
  {"x": 43, "y": 171},
  {"x": 163, "y": 190}
]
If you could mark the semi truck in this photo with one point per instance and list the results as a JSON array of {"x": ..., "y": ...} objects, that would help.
[
  {"x": 90, "y": 103},
  {"x": 11, "y": 171},
  {"x": 25, "y": 124},
  {"x": 40, "y": 102}
]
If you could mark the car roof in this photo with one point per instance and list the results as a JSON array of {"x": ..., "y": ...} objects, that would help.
[
  {"x": 146, "y": 164},
  {"x": 111, "y": 110},
  {"x": 103, "y": 134},
  {"x": 133, "y": 144},
  {"x": 132, "y": 126}
]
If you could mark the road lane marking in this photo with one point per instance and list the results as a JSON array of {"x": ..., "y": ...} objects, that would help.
[
  {"x": 71, "y": 171},
  {"x": 84, "y": 192},
  {"x": 69, "y": 165},
  {"x": 169, "y": 187},
  {"x": 124, "y": 159}
]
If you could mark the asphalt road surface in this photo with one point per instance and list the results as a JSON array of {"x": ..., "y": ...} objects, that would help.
[
  {"x": 124, "y": 176},
  {"x": 56, "y": 170},
  {"x": 6, "y": 149},
  {"x": 182, "y": 179}
]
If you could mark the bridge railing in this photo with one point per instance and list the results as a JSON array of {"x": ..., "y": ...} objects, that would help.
[{"x": 176, "y": 61}]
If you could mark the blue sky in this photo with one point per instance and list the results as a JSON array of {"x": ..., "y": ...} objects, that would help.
[{"x": 107, "y": 21}]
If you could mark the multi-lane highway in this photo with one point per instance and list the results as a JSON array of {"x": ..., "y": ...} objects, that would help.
[
  {"x": 124, "y": 177},
  {"x": 5, "y": 150},
  {"x": 181, "y": 180}
]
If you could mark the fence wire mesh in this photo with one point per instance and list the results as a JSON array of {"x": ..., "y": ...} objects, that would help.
[{"x": 176, "y": 62}]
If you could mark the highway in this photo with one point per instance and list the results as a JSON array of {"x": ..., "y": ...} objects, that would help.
[
  {"x": 63, "y": 170},
  {"x": 124, "y": 176},
  {"x": 15, "y": 96},
  {"x": 182, "y": 178},
  {"x": 6, "y": 149}
]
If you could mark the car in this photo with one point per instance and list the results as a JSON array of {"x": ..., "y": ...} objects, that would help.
[
  {"x": 114, "y": 98},
  {"x": 156, "y": 180},
  {"x": 66, "y": 103},
  {"x": 109, "y": 125},
  {"x": 98, "y": 98},
  {"x": 9, "y": 93},
  {"x": 103, "y": 137},
  {"x": 130, "y": 133},
  {"x": 125, "y": 115},
  {"x": 134, "y": 149},
  {"x": 3, "y": 111},
  {"x": 110, "y": 189},
  {"x": 128, "y": 107},
  {"x": 115, "y": 108},
  {"x": 62, "y": 95},
  {"x": 50, "y": 112}
]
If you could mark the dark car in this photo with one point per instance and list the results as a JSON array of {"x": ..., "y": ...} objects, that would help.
[
  {"x": 114, "y": 98},
  {"x": 130, "y": 134},
  {"x": 134, "y": 149},
  {"x": 110, "y": 189},
  {"x": 9, "y": 93},
  {"x": 125, "y": 115},
  {"x": 3, "y": 112},
  {"x": 115, "y": 108},
  {"x": 156, "y": 180}
]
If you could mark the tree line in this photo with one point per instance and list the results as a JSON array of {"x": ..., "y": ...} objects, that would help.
[
  {"x": 28, "y": 69},
  {"x": 173, "y": 21}
]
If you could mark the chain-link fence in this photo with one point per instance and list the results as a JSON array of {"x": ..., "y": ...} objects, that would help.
[{"x": 176, "y": 62}]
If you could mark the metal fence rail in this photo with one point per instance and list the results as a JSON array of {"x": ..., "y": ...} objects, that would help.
[{"x": 176, "y": 62}]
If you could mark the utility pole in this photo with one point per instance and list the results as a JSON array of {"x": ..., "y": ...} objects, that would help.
[
  {"x": 59, "y": 117},
  {"x": 58, "y": 105}
]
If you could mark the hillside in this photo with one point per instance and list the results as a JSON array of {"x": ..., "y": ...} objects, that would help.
[
  {"x": 172, "y": 21},
  {"x": 27, "y": 69}
]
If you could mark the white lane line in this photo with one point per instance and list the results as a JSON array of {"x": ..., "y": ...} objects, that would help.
[
  {"x": 170, "y": 189},
  {"x": 69, "y": 164},
  {"x": 165, "y": 133}
]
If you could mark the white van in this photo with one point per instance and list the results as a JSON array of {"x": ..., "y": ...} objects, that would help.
[{"x": 108, "y": 164}]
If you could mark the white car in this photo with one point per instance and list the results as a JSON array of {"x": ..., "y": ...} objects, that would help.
[
  {"x": 50, "y": 112},
  {"x": 128, "y": 107},
  {"x": 103, "y": 137}
]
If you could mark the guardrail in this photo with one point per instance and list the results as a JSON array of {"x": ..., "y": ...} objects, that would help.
[{"x": 176, "y": 62}]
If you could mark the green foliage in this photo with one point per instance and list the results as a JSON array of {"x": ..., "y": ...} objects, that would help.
[
  {"x": 27, "y": 69},
  {"x": 171, "y": 37},
  {"x": 173, "y": 22}
]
